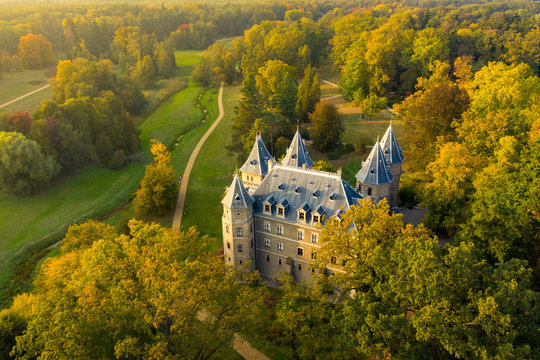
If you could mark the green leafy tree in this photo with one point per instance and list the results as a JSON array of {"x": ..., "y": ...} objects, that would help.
[
  {"x": 159, "y": 187},
  {"x": 372, "y": 104},
  {"x": 327, "y": 126},
  {"x": 309, "y": 93},
  {"x": 144, "y": 72},
  {"x": 23, "y": 167}
]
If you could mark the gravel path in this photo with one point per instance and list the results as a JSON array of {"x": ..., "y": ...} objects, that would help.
[{"x": 25, "y": 95}]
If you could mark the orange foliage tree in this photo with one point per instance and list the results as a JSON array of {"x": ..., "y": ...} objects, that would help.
[{"x": 35, "y": 51}]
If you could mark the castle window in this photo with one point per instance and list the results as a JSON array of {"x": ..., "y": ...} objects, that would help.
[
  {"x": 301, "y": 216},
  {"x": 266, "y": 208},
  {"x": 227, "y": 229},
  {"x": 251, "y": 243},
  {"x": 313, "y": 254},
  {"x": 239, "y": 231},
  {"x": 280, "y": 246},
  {"x": 228, "y": 245},
  {"x": 280, "y": 230},
  {"x": 316, "y": 193},
  {"x": 359, "y": 188},
  {"x": 267, "y": 257},
  {"x": 229, "y": 259},
  {"x": 369, "y": 191},
  {"x": 315, "y": 218},
  {"x": 267, "y": 242},
  {"x": 240, "y": 262},
  {"x": 298, "y": 190},
  {"x": 300, "y": 234},
  {"x": 279, "y": 261},
  {"x": 300, "y": 267},
  {"x": 281, "y": 186},
  {"x": 315, "y": 238},
  {"x": 266, "y": 226},
  {"x": 240, "y": 248},
  {"x": 300, "y": 251},
  {"x": 280, "y": 211}
]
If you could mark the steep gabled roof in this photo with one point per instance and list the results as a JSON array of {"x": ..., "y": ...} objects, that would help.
[
  {"x": 374, "y": 170},
  {"x": 237, "y": 196},
  {"x": 297, "y": 154},
  {"x": 257, "y": 162},
  {"x": 391, "y": 150}
]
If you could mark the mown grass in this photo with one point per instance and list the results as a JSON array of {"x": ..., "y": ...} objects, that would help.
[{"x": 212, "y": 171}]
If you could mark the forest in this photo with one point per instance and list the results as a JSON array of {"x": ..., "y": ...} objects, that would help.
[{"x": 459, "y": 78}]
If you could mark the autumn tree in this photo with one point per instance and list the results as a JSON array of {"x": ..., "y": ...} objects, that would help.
[
  {"x": 400, "y": 294},
  {"x": 309, "y": 93},
  {"x": 159, "y": 187},
  {"x": 277, "y": 85},
  {"x": 23, "y": 167},
  {"x": 35, "y": 51},
  {"x": 153, "y": 294},
  {"x": 20, "y": 121},
  {"x": 327, "y": 126},
  {"x": 429, "y": 114}
]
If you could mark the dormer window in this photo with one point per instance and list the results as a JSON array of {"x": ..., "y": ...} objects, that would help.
[
  {"x": 333, "y": 196},
  {"x": 237, "y": 197},
  {"x": 298, "y": 190},
  {"x": 253, "y": 162},
  {"x": 302, "y": 216},
  {"x": 372, "y": 171},
  {"x": 316, "y": 218},
  {"x": 281, "y": 211},
  {"x": 281, "y": 186},
  {"x": 294, "y": 156},
  {"x": 266, "y": 208},
  {"x": 316, "y": 193}
]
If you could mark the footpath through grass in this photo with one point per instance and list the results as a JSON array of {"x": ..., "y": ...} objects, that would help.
[{"x": 28, "y": 224}]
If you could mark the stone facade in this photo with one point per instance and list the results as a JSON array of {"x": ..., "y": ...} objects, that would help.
[{"x": 273, "y": 215}]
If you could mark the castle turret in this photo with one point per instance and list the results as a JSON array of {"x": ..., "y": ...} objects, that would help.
[
  {"x": 297, "y": 154},
  {"x": 374, "y": 178},
  {"x": 256, "y": 166},
  {"x": 238, "y": 226},
  {"x": 394, "y": 158}
]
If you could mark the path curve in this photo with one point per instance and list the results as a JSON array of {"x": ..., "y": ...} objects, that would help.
[
  {"x": 177, "y": 219},
  {"x": 23, "y": 96}
]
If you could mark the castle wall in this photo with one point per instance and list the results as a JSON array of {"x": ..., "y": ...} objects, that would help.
[
  {"x": 238, "y": 249},
  {"x": 251, "y": 180},
  {"x": 268, "y": 257}
]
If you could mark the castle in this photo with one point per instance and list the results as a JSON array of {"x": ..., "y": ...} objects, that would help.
[{"x": 272, "y": 215}]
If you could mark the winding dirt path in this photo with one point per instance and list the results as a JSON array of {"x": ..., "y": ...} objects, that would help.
[
  {"x": 240, "y": 345},
  {"x": 177, "y": 219},
  {"x": 23, "y": 96}
]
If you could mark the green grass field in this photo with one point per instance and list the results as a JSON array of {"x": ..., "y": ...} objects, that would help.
[
  {"x": 15, "y": 84},
  {"x": 33, "y": 222}
]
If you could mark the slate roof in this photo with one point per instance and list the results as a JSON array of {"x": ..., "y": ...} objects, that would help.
[
  {"x": 374, "y": 170},
  {"x": 308, "y": 180},
  {"x": 297, "y": 154},
  {"x": 237, "y": 196},
  {"x": 391, "y": 150},
  {"x": 257, "y": 161}
]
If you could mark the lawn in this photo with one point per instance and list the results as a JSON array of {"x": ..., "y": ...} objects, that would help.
[
  {"x": 212, "y": 172},
  {"x": 29, "y": 224},
  {"x": 15, "y": 84}
]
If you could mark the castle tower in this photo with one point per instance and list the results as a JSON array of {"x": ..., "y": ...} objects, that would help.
[
  {"x": 256, "y": 166},
  {"x": 374, "y": 178},
  {"x": 394, "y": 158},
  {"x": 238, "y": 226},
  {"x": 297, "y": 154}
]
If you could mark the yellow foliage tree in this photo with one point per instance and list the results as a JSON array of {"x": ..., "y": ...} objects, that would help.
[
  {"x": 159, "y": 187},
  {"x": 35, "y": 51}
]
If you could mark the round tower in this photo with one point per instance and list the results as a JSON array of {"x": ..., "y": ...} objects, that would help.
[{"x": 238, "y": 226}]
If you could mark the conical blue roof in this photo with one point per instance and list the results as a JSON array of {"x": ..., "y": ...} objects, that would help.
[
  {"x": 237, "y": 196},
  {"x": 257, "y": 162},
  {"x": 374, "y": 170},
  {"x": 391, "y": 150},
  {"x": 297, "y": 154}
]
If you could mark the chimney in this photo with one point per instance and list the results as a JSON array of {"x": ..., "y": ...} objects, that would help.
[
  {"x": 304, "y": 166},
  {"x": 339, "y": 172},
  {"x": 270, "y": 164}
]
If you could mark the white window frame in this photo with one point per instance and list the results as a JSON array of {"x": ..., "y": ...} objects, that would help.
[
  {"x": 239, "y": 231},
  {"x": 300, "y": 250},
  {"x": 300, "y": 234},
  {"x": 280, "y": 230},
  {"x": 266, "y": 226},
  {"x": 267, "y": 243},
  {"x": 280, "y": 245},
  {"x": 314, "y": 238}
]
